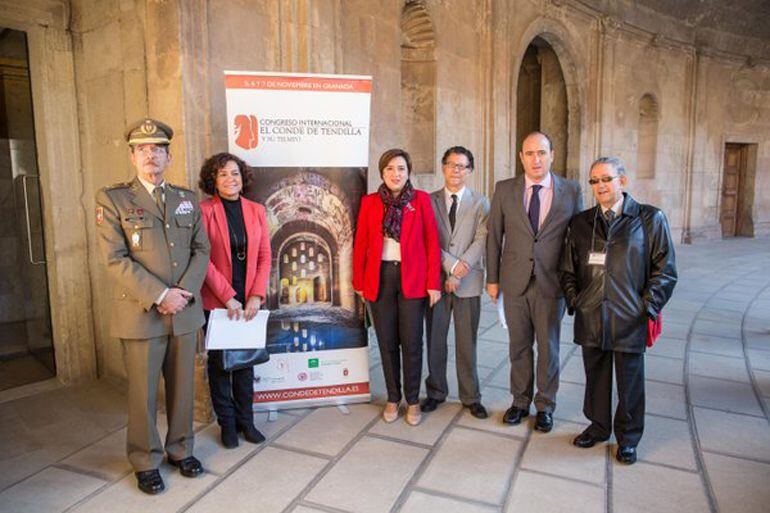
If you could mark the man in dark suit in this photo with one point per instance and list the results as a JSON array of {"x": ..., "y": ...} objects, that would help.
[
  {"x": 461, "y": 217},
  {"x": 157, "y": 253},
  {"x": 527, "y": 224}
]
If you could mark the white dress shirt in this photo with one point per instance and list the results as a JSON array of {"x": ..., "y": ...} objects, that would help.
[
  {"x": 448, "y": 197},
  {"x": 617, "y": 207},
  {"x": 391, "y": 250}
]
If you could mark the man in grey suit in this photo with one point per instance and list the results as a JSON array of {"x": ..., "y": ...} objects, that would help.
[
  {"x": 461, "y": 216},
  {"x": 527, "y": 224}
]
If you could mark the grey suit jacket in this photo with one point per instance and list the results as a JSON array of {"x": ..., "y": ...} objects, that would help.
[
  {"x": 514, "y": 252},
  {"x": 466, "y": 242}
]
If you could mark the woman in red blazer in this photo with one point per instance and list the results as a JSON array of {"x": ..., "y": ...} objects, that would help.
[
  {"x": 236, "y": 279},
  {"x": 396, "y": 264}
]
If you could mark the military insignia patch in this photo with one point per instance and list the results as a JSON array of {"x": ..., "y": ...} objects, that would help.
[
  {"x": 184, "y": 208},
  {"x": 99, "y": 215},
  {"x": 148, "y": 127}
]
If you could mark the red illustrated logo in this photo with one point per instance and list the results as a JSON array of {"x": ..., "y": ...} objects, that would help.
[{"x": 246, "y": 131}]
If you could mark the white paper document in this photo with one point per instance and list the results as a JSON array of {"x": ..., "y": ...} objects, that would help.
[
  {"x": 501, "y": 311},
  {"x": 223, "y": 333}
]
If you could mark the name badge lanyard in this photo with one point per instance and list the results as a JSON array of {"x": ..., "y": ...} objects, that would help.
[{"x": 595, "y": 257}]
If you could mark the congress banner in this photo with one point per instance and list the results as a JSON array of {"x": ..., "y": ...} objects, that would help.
[{"x": 307, "y": 137}]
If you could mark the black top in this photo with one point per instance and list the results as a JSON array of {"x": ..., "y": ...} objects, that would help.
[{"x": 237, "y": 232}]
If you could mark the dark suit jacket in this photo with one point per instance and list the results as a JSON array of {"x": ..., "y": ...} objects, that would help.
[{"x": 514, "y": 252}]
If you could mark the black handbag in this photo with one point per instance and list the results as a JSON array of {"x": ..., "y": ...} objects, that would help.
[{"x": 237, "y": 359}]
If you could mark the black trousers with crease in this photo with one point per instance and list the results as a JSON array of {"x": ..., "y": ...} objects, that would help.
[
  {"x": 398, "y": 322},
  {"x": 597, "y": 406}
]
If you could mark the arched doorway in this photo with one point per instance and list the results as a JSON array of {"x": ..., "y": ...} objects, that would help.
[
  {"x": 305, "y": 270},
  {"x": 541, "y": 102}
]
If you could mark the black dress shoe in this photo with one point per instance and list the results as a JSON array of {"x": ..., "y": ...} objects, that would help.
[
  {"x": 229, "y": 436},
  {"x": 543, "y": 422},
  {"x": 514, "y": 414},
  {"x": 430, "y": 404},
  {"x": 188, "y": 467},
  {"x": 626, "y": 455},
  {"x": 251, "y": 433},
  {"x": 478, "y": 410},
  {"x": 150, "y": 482},
  {"x": 585, "y": 440}
]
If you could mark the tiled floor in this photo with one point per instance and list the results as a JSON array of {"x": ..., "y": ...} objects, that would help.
[{"x": 706, "y": 445}]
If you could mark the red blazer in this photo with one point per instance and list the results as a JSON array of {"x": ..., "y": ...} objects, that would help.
[
  {"x": 420, "y": 250},
  {"x": 218, "y": 289}
]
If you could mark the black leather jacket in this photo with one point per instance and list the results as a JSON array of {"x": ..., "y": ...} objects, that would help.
[{"x": 613, "y": 302}]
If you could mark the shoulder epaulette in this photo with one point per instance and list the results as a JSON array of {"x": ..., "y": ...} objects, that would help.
[
  {"x": 121, "y": 185},
  {"x": 180, "y": 188}
]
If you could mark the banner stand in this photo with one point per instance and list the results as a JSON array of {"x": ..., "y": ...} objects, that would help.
[{"x": 306, "y": 138}]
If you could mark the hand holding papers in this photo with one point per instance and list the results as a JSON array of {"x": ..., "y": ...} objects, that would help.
[{"x": 224, "y": 333}]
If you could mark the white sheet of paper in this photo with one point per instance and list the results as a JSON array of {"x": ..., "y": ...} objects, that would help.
[
  {"x": 501, "y": 311},
  {"x": 223, "y": 333}
]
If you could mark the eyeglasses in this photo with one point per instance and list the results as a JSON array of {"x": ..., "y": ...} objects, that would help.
[
  {"x": 150, "y": 150},
  {"x": 458, "y": 167},
  {"x": 603, "y": 179}
]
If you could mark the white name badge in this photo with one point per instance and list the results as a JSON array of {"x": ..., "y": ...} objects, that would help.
[{"x": 595, "y": 258}]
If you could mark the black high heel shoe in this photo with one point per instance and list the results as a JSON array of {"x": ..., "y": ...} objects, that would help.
[
  {"x": 229, "y": 436},
  {"x": 251, "y": 433}
]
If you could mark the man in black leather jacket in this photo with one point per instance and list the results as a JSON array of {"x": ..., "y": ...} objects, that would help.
[{"x": 618, "y": 271}]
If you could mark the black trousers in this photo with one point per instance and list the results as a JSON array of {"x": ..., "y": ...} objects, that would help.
[
  {"x": 398, "y": 322},
  {"x": 232, "y": 393},
  {"x": 597, "y": 406}
]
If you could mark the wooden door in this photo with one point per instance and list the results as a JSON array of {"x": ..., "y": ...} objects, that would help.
[{"x": 731, "y": 186}]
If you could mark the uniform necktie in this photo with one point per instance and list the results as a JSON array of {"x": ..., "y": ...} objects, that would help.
[
  {"x": 609, "y": 216},
  {"x": 534, "y": 208},
  {"x": 157, "y": 193},
  {"x": 453, "y": 212}
]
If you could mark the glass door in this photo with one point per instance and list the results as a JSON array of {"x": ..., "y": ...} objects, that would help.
[{"x": 26, "y": 342}]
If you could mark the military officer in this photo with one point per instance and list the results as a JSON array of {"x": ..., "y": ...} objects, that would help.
[{"x": 156, "y": 252}]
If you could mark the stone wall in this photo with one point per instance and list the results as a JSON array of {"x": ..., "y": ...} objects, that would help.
[{"x": 166, "y": 59}]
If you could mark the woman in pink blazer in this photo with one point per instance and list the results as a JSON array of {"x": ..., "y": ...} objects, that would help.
[{"x": 236, "y": 279}]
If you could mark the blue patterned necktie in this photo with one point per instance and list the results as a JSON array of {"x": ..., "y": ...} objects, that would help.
[{"x": 609, "y": 216}]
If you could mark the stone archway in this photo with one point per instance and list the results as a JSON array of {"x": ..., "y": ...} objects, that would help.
[
  {"x": 306, "y": 257},
  {"x": 307, "y": 207},
  {"x": 561, "y": 47},
  {"x": 541, "y": 101}
]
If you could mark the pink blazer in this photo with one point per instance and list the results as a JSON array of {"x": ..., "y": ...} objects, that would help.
[{"x": 218, "y": 289}]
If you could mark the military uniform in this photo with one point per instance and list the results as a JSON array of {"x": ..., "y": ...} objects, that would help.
[{"x": 149, "y": 248}]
